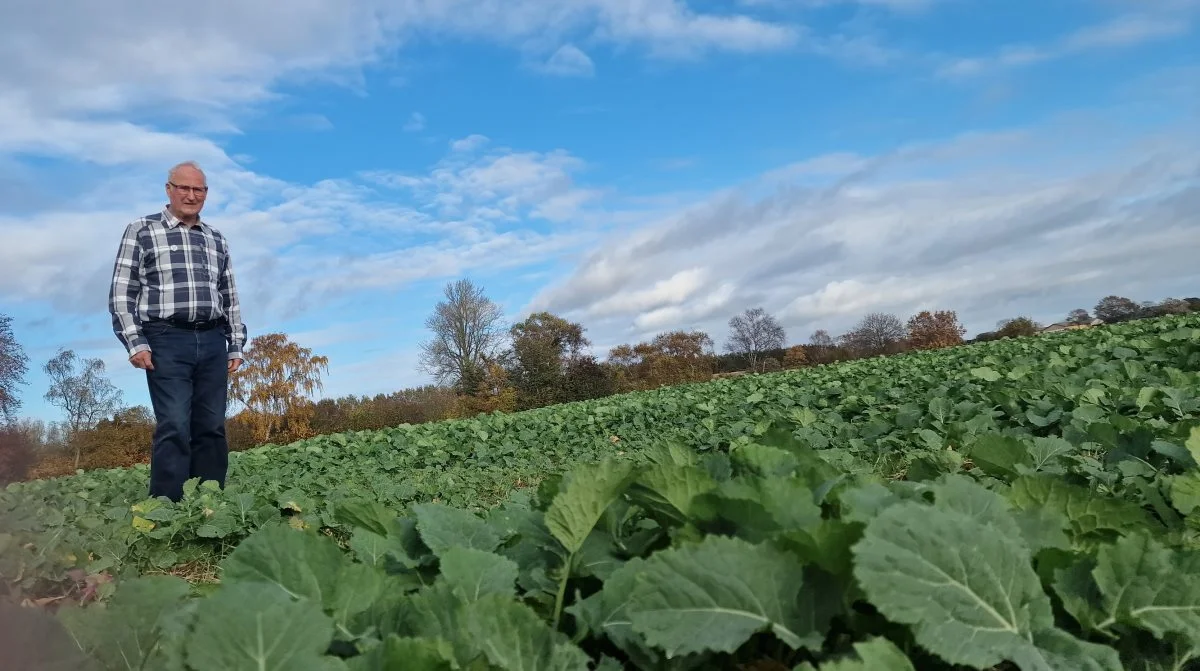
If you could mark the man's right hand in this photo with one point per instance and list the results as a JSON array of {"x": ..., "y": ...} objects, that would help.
[{"x": 142, "y": 360}]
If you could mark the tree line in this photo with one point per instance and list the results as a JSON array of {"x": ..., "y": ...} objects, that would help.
[{"x": 479, "y": 363}]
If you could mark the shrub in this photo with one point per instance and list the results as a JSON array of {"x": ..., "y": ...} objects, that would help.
[{"x": 18, "y": 452}]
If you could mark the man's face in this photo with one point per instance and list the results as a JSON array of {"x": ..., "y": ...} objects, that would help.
[{"x": 187, "y": 190}]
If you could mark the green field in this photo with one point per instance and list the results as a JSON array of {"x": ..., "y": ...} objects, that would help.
[{"x": 1023, "y": 504}]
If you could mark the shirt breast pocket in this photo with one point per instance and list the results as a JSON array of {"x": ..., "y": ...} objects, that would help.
[{"x": 161, "y": 261}]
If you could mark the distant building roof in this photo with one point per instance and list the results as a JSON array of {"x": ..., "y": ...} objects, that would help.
[{"x": 1070, "y": 325}]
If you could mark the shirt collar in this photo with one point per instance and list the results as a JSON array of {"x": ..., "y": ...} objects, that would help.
[{"x": 172, "y": 221}]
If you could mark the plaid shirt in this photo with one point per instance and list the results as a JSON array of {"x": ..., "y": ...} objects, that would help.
[{"x": 166, "y": 270}]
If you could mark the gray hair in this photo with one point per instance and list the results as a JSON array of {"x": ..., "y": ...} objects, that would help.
[{"x": 186, "y": 164}]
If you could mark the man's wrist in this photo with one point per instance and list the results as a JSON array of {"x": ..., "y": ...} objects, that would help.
[{"x": 138, "y": 349}]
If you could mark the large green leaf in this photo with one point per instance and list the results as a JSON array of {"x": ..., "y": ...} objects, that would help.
[
  {"x": 259, "y": 627},
  {"x": 1147, "y": 585},
  {"x": 713, "y": 596},
  {"x": 1037, "y": 528},
  {"x": 999, "y": 455},
  {"x": 372, "y": 516},
  {"x": 127, "y": 632},
  {"x": 669, "y": 489},
  {"x": 410, "y": 654},
  {"x": 443, "y": 527},
  {"x": 1081, "y": 597},
  {"x": 606, "y": 614},
  {"x": 302, "y": 563},
  {"x": 593, "y": 487},
  {"x": 876, "y": 654},
  {"x": 1088, "y": 514},
  {"x": 1054, "y": 650},
  {"x": 965, "y": 586},
  {"x": 436, "y": 612},
  {"x": 514, "y": 638},
  {"x": 355, "y": 590},
  {"x": 472, "y": 573},
  {"x": 1185, "y": 492}
]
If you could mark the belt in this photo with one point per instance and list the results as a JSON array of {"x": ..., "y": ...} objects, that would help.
[{"x": 194, "y": 326}]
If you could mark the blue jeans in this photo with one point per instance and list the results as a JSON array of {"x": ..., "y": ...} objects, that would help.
[{"x": 188, "y": 389}]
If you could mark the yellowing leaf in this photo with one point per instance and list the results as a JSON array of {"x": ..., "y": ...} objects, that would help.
[
  {"x": 142, "y": 524},
  {"x": 1193, "y": 444}
]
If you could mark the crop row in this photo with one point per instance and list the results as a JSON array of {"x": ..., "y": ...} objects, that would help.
[
  {"x": 766, "y": 556},
  {"x": 1083, "y": 440}
]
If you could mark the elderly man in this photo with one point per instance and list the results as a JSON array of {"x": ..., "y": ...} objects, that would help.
[{"x": 175, "y": 308}]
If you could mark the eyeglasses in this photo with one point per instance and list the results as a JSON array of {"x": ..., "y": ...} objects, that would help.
[{"x": 198, "y": 190}]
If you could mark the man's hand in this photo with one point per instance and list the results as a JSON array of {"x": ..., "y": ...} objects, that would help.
[
  {"x": 142, "y": 360},
  {"x": 234, "y": 364}
]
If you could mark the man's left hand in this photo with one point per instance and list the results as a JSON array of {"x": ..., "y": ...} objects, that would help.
[{"x": 234, "y": 364}]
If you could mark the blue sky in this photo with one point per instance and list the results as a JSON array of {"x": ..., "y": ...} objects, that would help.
[{"x": 637, "y": 166}]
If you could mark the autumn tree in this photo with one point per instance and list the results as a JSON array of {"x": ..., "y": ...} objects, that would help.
[
  {"x": 877, "y": 333},
  {"x": 428, "y": 403},
  {"x": 85, "y": 395},
  {"x": 274, "y": 384},
  {"x": 934, "y": 330},
  {"x": 674, "y": 357},
  {"x": 1017, "y": 327},
  {"x": 492, "y": 393},
  {"x": 466, "y": 331},
  {"x": 1114, "y": 309},
  {"x": 120, "y": 440},
  {"x": 794, "y": 357},
  {"x": 1167, "y": 306},
  {"x": 821, "y": 346},
  {"x": 752, "y": 333},
  {"x": 37, "y": 430},
  {"x": 13, "y": 366},
  {"x": 586, "y": 377},
  {"x": 1079, "y": 316},
  {"x": 543, "y": 346},
  {"x": 18, "y": 452}
]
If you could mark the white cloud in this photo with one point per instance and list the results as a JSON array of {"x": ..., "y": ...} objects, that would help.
[
  {"x": 469, "y": 143},
  {"x": 68, "y": 58},
  {"x": 109, "y": 88},
  {"x": 296, "y": 246},
  {"x": 26, "y": 130},
  {"x": 500, "y": 185},
  {"x": 991, "y": 225},
  {"x": 568, "y": 61},
  {"x": 670, "y": 29},
  {"x": 682, "y": 316},
  {"x": 670, "y": 291},
  {"x": 1127, "y": 30}
]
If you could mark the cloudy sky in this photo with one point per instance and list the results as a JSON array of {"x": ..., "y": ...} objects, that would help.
[{"x": 637, "y": 166}]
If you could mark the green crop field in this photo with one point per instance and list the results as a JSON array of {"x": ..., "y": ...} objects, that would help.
[{"x": 1026, "y": 504}]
